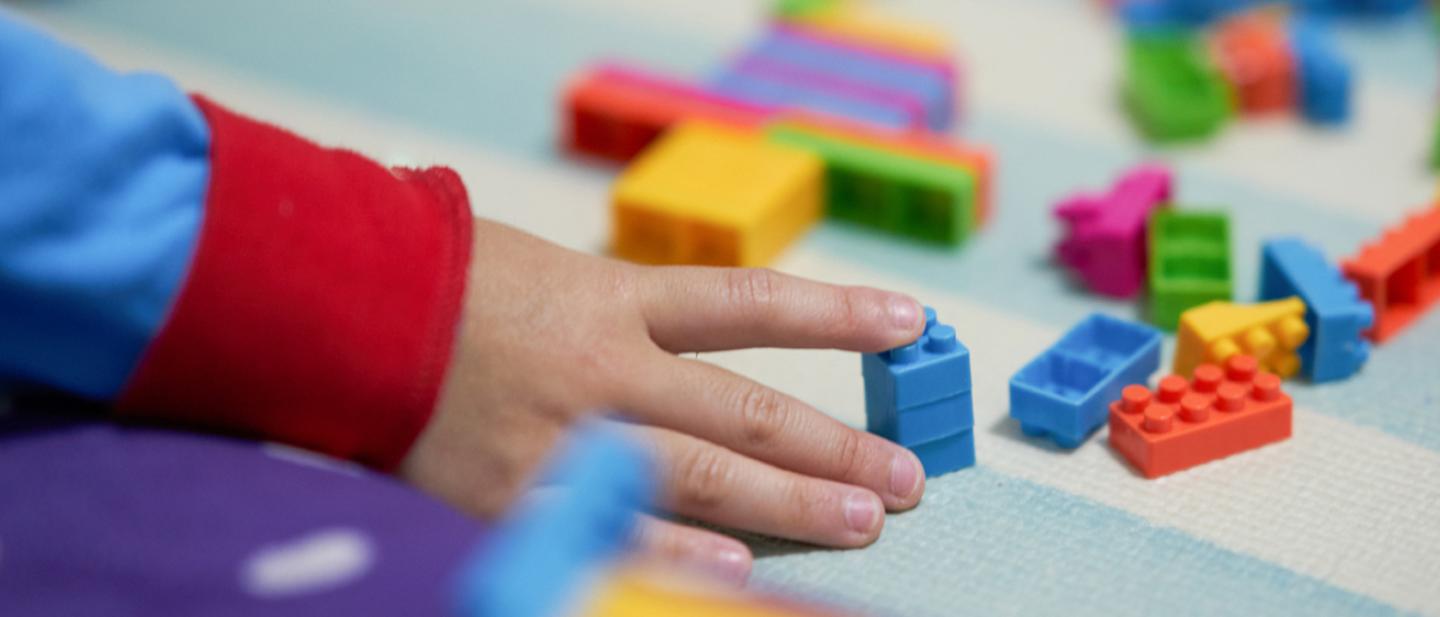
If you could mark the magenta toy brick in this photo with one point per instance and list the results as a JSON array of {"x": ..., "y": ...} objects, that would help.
[{"x": 1104, "y": 239}]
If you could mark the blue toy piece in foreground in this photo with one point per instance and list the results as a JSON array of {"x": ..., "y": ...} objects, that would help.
[
  {"x": 1322, "y": 73},
  {"x": 540, "y": 559},
  {"x": 918, "y": 396},
  {"x": 1064, "y": 393},
  {"x": 1336, "y": 314}
]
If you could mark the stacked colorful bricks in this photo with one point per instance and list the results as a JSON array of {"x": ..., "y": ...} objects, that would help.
[
  {"x": 869, "y": 97},
  {"x": 1184, "y": 79},
  {"x": 918, "y": 396}
]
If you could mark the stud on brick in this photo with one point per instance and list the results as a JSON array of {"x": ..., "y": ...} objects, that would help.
[{"x": 1185, "y": 423}]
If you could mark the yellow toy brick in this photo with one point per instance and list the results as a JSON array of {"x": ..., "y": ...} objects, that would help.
[
  {"x": 1269, "y": 331},
  {"x": 715, "y": 195},
  {"x": 861, "y": 23}
]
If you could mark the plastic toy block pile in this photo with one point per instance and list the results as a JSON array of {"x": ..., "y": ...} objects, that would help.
[
  {"x": 833, "y": 110},
  {"x": 1192, "y": 64},
  {"x": 1313, "y": 319}
]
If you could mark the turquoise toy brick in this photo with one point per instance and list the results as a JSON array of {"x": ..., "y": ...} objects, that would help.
[
  {"x": 1064, "y": 393},
  {"x": 1189, "y": 262},
  {"x": 1336, "y": 314},
  {"x": 918, "y": 396}
]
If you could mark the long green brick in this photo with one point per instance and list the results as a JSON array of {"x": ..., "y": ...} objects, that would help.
[
  {"x": 1189, "y": 262},
  {"x": 801, "y": 8},
  {"x": 1435, "y": 148},
  {"x": 1172, "y": 88},
  {"x": 903, "y": 195}
]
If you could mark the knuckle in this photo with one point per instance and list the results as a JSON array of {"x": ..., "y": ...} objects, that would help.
[
  {"x": 850, "y": 455},
  {"x": 849, "y": 309},
  {"x": 752, "y": 289},
  {"x": 762, "y": 415},
  {"x": 705, "y": 478},
  {"x": 807, "y": 503}
]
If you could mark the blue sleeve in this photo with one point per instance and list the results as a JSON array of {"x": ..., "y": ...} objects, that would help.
[{"x": 102, "y": 186}]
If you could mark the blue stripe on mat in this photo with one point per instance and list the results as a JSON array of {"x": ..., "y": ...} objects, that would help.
[{"x": 984, "y": 543}]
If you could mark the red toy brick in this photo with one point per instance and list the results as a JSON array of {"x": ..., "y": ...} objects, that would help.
[
  {"x": 1399, "y": 273},
  {"x": 1254, "y": 53},
  {"x": 613, "y": 113},
  {"x": 1187, "y": 423}
]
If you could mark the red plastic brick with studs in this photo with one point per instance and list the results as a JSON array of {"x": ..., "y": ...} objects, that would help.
[{"x": 1186, "y": 423}]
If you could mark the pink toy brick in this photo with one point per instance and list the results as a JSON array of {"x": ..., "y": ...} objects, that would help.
[
  {"x": 912, "y": 107},
  {"x": 945, "y": 67},
  {"x": 1104, "y": 239}
]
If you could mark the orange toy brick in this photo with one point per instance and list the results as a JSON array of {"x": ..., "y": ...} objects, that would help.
[
  {"x": 1399, "y": 273},
  {"x": 1187, "y": 423},
  {"x": 1253, "y": 52}
]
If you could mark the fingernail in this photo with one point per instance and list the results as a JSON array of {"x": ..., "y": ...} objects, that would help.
[
  {"x": 862, "y": 511},
  {"x": 904, "y": 476},
  {"x": 904, "y": 312},
  {"x": 730, "y": 564}
]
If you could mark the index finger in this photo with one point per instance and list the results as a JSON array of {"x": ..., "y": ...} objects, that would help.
[{"x": 691, "y": 308}]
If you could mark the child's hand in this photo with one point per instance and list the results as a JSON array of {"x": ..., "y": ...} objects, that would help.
[{"x": 550, "y": 334}]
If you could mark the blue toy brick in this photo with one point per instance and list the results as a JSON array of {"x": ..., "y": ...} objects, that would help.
[
  {"x": 1064, "y": 393},
  {"x": 1142, "y": 14},
  {"x": 1336, "y": 314},
  {"x": 1360, "y": 8},
  {"x": 925, "y": 422},
  {"x": 934, "y": 367},
  {"x": 946, "y": 454},
  {"x": 763, "y": 90},
  {"x": 930, "y": 86},
  {"x": 1323, "y": 74}
]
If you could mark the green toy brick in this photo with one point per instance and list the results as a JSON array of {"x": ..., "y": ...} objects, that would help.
[
  {"x": 801, "y": 8},
  {"x": 1435, "y": 149},
  {"x": 1172, "y": 88},
  {"x": 1189, "y": 262},
  {"x": 903, "y": 195}
]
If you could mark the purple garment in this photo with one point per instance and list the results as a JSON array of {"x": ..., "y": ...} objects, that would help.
[{"x": 102, "y": 519}]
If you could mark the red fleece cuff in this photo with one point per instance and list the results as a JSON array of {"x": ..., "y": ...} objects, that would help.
[{"x": 322, "y": 302}]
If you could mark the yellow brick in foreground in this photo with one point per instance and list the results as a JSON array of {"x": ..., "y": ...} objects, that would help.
[
  {"x": 1269, "y": 331},
  {"x": 714, "y": 195}
]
